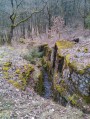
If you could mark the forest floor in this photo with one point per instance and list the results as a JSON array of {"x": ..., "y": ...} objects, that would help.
[{"x": 17, "y": 104}]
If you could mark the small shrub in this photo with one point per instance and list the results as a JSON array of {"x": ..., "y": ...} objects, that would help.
[{"x": 33, "y": 56}]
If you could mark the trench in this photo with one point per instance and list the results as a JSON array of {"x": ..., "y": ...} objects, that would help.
[
  {"x": 47, "y": 90},
  {"x": 47, "y": 86},
  {"x": 44, "y": 86}
]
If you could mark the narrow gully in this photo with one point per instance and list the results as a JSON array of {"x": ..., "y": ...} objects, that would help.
[{"x": 47, "y": 86}]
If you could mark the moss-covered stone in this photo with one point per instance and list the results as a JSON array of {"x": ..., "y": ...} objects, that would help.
[
  {"x": 8, "y": 64},
  {"x": 69, "y": 82},
  {"x": 39, "y": 85},
  {"x": 74, "y": 99},
  {"x": 60, "y": 89},
  {"x": 85, "y": 50},
  {"x": 5, "y": 68},
  {"x": 17, "y": 71},
  {"x": 16, "y": 84},
  {"x": 23, "y": 76},
  {"x": 64, "y": 44},
  {"x": 67, "y": 58},
  {"x": 87, "y": 99}
]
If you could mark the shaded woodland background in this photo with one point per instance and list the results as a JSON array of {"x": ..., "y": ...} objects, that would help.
[{"x": 28, "y": 18}]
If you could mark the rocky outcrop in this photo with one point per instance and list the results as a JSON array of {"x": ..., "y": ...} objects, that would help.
[{"x": 70, "y": 69}]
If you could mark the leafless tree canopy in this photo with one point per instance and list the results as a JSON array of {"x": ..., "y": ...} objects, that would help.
[{"x": 21, "y": 17}]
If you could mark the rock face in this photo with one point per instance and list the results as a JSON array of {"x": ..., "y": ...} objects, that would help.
[
  {"x": 70, "y": 69},
  {"x": 72, "y": 72}
]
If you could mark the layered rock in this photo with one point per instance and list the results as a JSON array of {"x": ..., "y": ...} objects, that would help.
[{"x": 71, "y": 65}]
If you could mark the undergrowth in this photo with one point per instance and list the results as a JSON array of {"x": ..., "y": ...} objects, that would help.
[{"x": 33, "y": 55}]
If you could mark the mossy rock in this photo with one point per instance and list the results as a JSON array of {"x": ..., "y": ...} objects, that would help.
[
  {"x": 87, "y": 99},
  {"x": 67, "y": 58},
  {"x": 17, "y": 71},
  {"x": 5, "y": 68},
  {"x": 74, "y": 66},
  {"x": 60, "y": 89},
  {"x": 64, "y": 44},
  {"x": 16, "y": 84},
  {"x": 39, "y": 88},
  {"x": 23, "y": 76},
  {"x": 8, "y": 64},
  {"x": 85, "y": 50},
  {"x": 74, "y": 99}
]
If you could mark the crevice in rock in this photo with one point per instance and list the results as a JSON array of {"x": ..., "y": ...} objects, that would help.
[
  {"x": 54, "y": 56},
  {"x": 60, "y": 64}
]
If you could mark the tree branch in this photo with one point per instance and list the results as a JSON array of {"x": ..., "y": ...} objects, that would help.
[
  {"x": 5, "y": 12},
  {"x": 15, "y": 25},
  {"x": 17, "y": 5}
]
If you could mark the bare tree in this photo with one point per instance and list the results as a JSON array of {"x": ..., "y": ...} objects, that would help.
[
  {"x": 83, "y": 11},
  {"x": 13, "y": 17}
]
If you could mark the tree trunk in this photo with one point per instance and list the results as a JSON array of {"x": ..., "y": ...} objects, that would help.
[
  {"x": 10, "y": 34},
  {"x": 23, "y": 30},
  {"x": 49, "y": 21},
  {"x": 85, "y": 12}
]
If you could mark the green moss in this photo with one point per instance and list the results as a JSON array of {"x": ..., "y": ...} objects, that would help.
[
  {"x": 6, "y": 77},
  {"x": 60, "y": 89},
  {"x": 81, "y": 71},
  {"x": 43, "y": 61},
  {"x": 85, "y": 50},
  {"x": 75, "y": 66},
  {"x": 23, "y": 76},
  {"x": 74, "y": 99},
  {"x": 24, "y": 82},
  {"x": 8, "y": 64},
  {"x": 5, "y": 73},
  {"x": 5, "y": 68},
  {"x": 87, "y": 99},
  {"x": 17, "y": 71},
  {"x": 64, "y": 44},
  {"x": 67, "y": 58},
  {"x": 39, "y": 85},
  {"x": 16, "y": 84}
]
